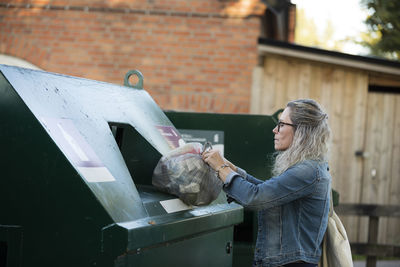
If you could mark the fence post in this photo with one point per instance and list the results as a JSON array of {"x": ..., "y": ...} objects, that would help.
[{"x": 372, "y": 238}]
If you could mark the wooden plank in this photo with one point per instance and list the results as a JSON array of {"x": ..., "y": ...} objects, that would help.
[
  {"x": 327, "y": 90},
  {"x": 292, "y": 76},
  {"x": 281, "y": 69},
  {"x": 372, "y": 238},
  {"x": 345, "y": 156},
  {"x": 335, "y": 117},
  {"x": 375, "y": 249},
  {"x": 351, "y": 166},
  {"x": 359, "y": 130},
  {"x": 384, "y": 80},
  {"x": 359, "y": 133},
  {"x": 347, "y": 141},
  {"x": 368, "y": 210},
  {"x": 255, "y": 100},
  {"x": 268, "y": 92},
  {"x": 379, "y": 145},
  {"x": 304, "y": 80},
  {"x": 373, "y": 229},
  {"x": 369, "y": 181},
  {"x": 315, "y": 82},
  {"x": 393, "y": 225},
  {"x": 385, "y": 164}
]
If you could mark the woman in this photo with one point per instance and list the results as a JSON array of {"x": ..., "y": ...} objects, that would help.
[{"x": 294, "y": 204}]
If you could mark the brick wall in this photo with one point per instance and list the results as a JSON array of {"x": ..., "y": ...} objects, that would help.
[{"x": 195, "y": 55}]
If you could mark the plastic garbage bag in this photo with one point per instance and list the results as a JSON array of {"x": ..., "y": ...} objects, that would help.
[{"x": 183, "y": 173}]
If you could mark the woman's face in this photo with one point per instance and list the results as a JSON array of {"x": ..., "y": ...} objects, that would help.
[{"x": 283, "y": 133}]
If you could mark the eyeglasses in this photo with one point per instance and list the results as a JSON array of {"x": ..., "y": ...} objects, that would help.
[{"x": 281, "y": 123}]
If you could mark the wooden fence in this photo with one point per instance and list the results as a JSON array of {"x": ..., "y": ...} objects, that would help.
[{"x": 371, "y": 249}]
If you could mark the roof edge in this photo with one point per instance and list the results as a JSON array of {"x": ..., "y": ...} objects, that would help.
[{"x": 326, "y": 56}]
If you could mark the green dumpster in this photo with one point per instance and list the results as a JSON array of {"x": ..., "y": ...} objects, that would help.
[{"x": 75, "y": 187}]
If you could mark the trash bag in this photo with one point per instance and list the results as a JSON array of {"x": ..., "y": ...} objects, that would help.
[{"x": 183, "y": 173}]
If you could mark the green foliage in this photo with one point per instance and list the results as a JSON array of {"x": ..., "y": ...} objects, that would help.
[
  {"x": 384, "y": 25},
  {"x": 307, "y": 34}
]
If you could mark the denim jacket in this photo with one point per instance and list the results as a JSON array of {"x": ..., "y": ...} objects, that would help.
[{"x": 292, "y": 211}]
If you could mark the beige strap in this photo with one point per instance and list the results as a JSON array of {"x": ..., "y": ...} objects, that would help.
[{"x": 331, "y": 205}]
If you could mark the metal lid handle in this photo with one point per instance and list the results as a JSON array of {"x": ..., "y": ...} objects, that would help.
[{"x": 139, "y": 84}]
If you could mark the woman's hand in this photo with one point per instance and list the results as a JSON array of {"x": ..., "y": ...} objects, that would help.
[
  {"x": 213, "y": 158},
  {"x": 217, "y": 162}
]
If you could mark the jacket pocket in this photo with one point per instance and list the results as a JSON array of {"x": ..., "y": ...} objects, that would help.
[{"x": 273, "y": 238}]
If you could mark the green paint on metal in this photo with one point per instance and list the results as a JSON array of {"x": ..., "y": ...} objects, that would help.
[{"x": 195, "y": 251}]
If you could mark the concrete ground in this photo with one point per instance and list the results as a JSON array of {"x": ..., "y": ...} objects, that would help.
[{"x": 378, "y": 264}]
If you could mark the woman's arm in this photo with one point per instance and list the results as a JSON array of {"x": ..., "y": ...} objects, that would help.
[
  {"x": 248, "y": 177},
  {"x": 298, "y": 181}
]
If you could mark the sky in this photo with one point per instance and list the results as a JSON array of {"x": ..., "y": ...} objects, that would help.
[{"x": 347, "y": 17}]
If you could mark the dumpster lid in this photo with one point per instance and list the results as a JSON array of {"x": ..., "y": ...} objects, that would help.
[{"x": 77, "y": 114}]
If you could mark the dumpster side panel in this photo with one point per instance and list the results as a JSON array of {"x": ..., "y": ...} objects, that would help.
[
  {"x": 59, "y": 217},
  {"x": 193, "y": 251}
]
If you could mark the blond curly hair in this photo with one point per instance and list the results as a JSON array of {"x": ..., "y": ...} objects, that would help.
[{"x": 311, "y": 138}]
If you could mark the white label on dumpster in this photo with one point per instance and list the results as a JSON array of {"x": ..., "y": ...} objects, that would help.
[
  {"x": 174, "y": 205},
  {"x": 96, "y": 174},
  {"x": 77, "y": 150}
]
